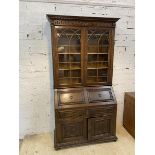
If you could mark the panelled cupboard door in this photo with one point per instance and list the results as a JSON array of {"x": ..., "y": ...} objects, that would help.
[
  {"x": 100, "y": 128},
  {"x": 68, "y": 56},
  {"x": 71, "y": 131},
  {"x": 98, "y": 49}
]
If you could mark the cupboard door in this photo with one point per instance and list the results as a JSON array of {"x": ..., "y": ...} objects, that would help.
[
  {"x": 71, "y": 131},
  {"x": 100, "y": 128},
  {"x": 68, "y": 61},
  {"x": 98, "y": 58}
]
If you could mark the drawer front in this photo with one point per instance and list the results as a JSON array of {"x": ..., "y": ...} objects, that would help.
[
  {"x": 71, "y": 97},
  {"x": 99, "y": 95},
  {"x": 70, "y": 114},
  {"x": 99, "y": 112}
]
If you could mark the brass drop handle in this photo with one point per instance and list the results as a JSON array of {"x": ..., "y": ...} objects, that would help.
[{"x": 71, "y": 97}]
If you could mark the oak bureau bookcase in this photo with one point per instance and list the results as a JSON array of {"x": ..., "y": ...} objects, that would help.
[{"x": 85, "y": 104}]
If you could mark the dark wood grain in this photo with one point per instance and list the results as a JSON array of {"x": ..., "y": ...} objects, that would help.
[
  {"x": 84, "y": 101},
  {"x": 129, "y": 112},
  {"x": 77, "y": 24},
  {"x": 84, "y": 123}
]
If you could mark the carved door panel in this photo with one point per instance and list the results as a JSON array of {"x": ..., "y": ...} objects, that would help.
[
  {"x": 71, "y": 126},
  {"x": 72, "y": 131},
  {"x": 99, "y": 128}
]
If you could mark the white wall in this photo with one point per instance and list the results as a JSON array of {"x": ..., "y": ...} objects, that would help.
[{"x": 36, "y": 79}]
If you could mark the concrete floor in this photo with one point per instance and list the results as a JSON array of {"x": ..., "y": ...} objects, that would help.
[{"x": 42, "y": 144}]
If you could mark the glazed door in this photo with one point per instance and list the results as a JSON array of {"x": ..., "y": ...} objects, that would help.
[
  {"x": 98, "y": 50},
  {"x": 68, "y": 57}
]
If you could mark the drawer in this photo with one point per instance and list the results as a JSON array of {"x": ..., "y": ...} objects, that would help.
[
  {"x": 99, "y": 95},
  {"x": 99, "y": 112},
  {"x": 71, "y": 97},
  {"x": 71, "y": 114}
]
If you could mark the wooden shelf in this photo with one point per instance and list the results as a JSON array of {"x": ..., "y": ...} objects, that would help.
[
  {"x": 69, "y": 45},
  {"x": 98, "y": 46},
  {"x": 102, "y": 82},
  {"x": 66, "y": 84},
  {"x": 95, "y": 82},
  {"x": 97, "y": 53},
  {"x": 99, "y": 34},
  {"x": 96, "y": 61},
  {"x": 70, "y": 53},
  {"x": 70, "y": 69},
  {"x": 70, "y": 78},
  {"x": 73, "y": 34},
  {"x": 98, "y": 76},
  {"x": 97, "y": 68},
  {"x": 68, "y": 62}
]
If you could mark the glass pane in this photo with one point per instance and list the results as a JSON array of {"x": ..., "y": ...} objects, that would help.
[
  {"x": 64, "y": 66},
  {"x": 98, "y": 41},
  {"x": 63, "y": 58},
  {"x": 75, "y": 73},
  {"x": 75, "y": 49},
  {"x": 75, "y": 66},
  {"x": 75, "y": 57},
  {"x": 64, "y": 81},
  {"x": 64, "y": 73},
  {"x": 92, "y": 72},
  {"x": 102, "y": 64},
  {"x": 103, "y": 57},
  {"x": 75, "y": 80},
  {"x": 92, "y": 65},
  {"x": 92, "y": 57},
  {"x": 102, "y": 79},
  {"x": 92, "y": 49},
  {"x": 102, "y": 72},
  {"x": 69, "y": 53},
  {"x": 68, "y": 49},
  {"x": 69, "y": 40},
  {"x": 103, "y": 49},
  {"x": 91, "y": 80},
  {"x": 98, "y": 47}
]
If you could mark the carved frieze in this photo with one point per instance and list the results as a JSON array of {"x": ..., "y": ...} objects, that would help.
[
  {"x": 57, "y": 20},
  {"x": 80, "y": 23}
]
